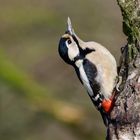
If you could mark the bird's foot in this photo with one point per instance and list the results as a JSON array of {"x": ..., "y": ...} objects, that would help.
[{"x": 118, "y": 83}]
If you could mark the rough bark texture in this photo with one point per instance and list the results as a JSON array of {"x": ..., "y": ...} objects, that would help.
[{"x": 124, "y": 123}]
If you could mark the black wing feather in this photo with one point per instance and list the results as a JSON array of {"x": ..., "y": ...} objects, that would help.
[{"x": 91, "y": 72}]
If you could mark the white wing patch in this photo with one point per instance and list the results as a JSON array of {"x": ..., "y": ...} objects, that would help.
[{"x": 84, "y": 77}]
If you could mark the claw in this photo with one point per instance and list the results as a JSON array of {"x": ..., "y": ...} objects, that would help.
[{"x": 118, "y": 83}]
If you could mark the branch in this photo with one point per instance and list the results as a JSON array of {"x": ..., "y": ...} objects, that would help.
[{"x": 125, "y": 116}]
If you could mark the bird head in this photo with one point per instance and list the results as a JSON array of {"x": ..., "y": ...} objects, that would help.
[{"x": 69, "y": 45}]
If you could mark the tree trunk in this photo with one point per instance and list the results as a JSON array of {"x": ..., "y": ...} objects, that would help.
[{"x": 124, "y": 123}]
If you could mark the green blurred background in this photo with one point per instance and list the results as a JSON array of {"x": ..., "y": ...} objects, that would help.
[{"x": 41, "y": 97}]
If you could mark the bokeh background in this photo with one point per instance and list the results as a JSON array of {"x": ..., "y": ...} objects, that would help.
[{"x": 41, "y": 97}]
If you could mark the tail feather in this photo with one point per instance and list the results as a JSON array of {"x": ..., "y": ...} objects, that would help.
[{"x": 105, "y": 118}]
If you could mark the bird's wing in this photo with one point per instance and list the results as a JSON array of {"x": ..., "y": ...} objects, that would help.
[{"x": 91, "y": 73}]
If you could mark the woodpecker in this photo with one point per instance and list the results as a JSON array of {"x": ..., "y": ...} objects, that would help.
[{"x": 95, "y": 67}]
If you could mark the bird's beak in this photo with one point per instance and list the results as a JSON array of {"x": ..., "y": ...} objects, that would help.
[{"x": 69, "y": 27}]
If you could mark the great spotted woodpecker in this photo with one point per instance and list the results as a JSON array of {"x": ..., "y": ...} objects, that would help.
[{"x": 95, "y": 66}]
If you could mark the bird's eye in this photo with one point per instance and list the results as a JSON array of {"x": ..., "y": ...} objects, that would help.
[{"x": 69, "y": 41}]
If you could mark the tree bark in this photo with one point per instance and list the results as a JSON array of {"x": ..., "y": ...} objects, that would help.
[{"x": 124, "y": 122}]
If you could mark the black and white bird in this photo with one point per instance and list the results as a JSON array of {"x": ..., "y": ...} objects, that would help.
[{"x": 95, "y": 66}]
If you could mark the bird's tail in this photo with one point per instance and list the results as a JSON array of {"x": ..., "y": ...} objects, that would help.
[{"x": 104, "y": 117}]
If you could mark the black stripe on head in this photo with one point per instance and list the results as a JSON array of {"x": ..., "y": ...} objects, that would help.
[
  {"x": 75, "y": 39},
  {"x": 83, "y": 52}
]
